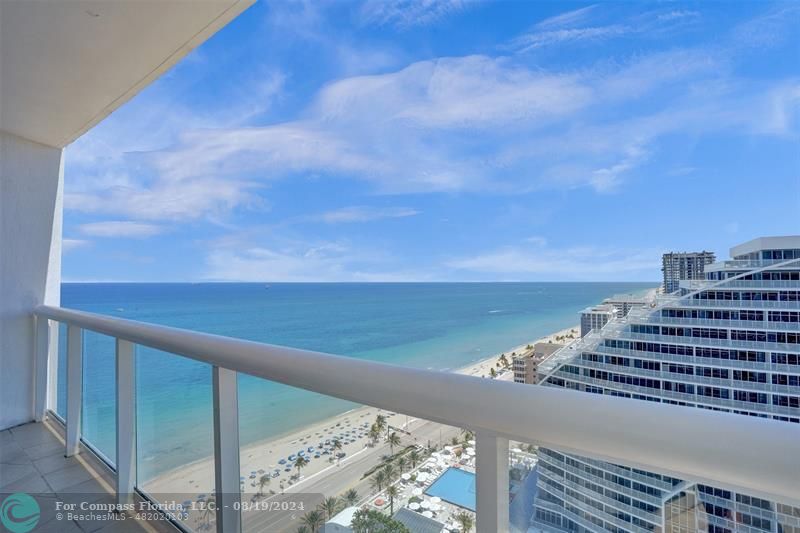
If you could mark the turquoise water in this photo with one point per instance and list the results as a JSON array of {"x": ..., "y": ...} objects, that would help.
[
  {"x": 425, "y": 325},
  {"x": 455, "y": 486}
]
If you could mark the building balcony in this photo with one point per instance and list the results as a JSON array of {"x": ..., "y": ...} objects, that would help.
[{"x": 660, "y": 438}]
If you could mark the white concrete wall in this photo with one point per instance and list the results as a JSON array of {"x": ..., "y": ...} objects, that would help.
[{"x": 31, "y": 205}]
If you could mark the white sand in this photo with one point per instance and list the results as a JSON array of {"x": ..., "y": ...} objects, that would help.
[{"x": 198, "y": 477}]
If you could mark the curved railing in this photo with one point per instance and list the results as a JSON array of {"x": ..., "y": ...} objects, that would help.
[{"x": 678, "y": 441}]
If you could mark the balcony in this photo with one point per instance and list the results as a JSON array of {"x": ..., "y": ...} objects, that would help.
[{"x": 658, "y": 437}]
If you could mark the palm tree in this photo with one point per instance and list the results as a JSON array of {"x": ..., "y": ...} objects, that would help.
[
  {"x": 374, "y": 433},
  {"x": 414, "y": 458},
  {"x": 337, "y": 445},
  {"x": 454, "y": 441},
  {"x": 302, "y": 529},
  {"x": 464, "y": 519},
  {"x": 209, "y": 511},
  {"x": 394, "y": 440},
  {"x": 313, "y": 520},
  {"x": 390, "y": 471},
  {"x": 468, "y": 436},
  {"x": 493, "y": 373},
  {"x": 402, "y": 463},
  {"x": 380, "y": 421},
  {"x": 300, "y": 463},
  {"x": 263, "y": 481},
  {"x": 329, "y": 506},
  {"x": 392, "y": 492},
  {"x": 379, "y": 480},
  {"x": 351, "y": 497}
]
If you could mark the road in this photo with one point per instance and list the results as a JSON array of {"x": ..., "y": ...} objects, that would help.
[{"x": 337, "y": 479}]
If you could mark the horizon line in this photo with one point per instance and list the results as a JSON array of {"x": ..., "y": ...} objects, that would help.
[{"x": 89, "y": 282}]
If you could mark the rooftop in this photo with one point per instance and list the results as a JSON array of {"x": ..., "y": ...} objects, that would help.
[
  {"x": 416, "y": 523},
  {"x": 787, "y": 242}
]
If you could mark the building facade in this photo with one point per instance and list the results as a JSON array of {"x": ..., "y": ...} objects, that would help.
[
  {"x": 525, "y": 366},
  {"x": 596, "y": 317},
  {"x": 623, "y": 303},
  {"x": 677, "y": 266},
  {"x": 729, "y": 343}
]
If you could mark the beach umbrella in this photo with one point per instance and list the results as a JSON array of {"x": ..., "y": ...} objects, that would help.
[
  {"x": 417, "y": 492},
  {"x": 406, "y": 476},
  {"x": 413, "y": 506},
  {"x": 425, "y": 504},
  {"x": 436, "y": 499},
  {"x": 516, "y": 450},
  {"x": 427, "y": 514}
]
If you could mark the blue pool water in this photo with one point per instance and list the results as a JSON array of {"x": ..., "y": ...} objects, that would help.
[{"x": 455, "y": 486}]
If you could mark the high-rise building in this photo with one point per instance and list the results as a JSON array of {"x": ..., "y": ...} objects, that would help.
[
  {"x": 677, "y": 266},
  {"x": 525, "y": 365},
  {"x": 623, "y": 303},
  {"x": 596, "y": 317},
  {"x": 728, "y": 343}
]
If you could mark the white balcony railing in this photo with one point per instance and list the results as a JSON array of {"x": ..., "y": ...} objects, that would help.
[{"x": 681, "y": 442}]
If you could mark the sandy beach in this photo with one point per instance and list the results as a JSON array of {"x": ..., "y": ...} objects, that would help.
[{"x": 350, "y": 428}]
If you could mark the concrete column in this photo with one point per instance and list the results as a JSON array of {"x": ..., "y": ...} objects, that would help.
[{"x": 31, "y": 208}]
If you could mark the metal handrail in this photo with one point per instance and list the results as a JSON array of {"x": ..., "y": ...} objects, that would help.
[{"x": 680, "y": 442}]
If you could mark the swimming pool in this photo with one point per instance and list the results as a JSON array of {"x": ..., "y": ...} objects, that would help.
[{"x": 455, "y": 486}]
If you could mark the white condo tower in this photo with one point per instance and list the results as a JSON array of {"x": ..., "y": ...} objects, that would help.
[{"x": 728, "y": 343}]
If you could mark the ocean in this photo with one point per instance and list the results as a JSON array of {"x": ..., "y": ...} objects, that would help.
[{"x": 426, "y": 325}]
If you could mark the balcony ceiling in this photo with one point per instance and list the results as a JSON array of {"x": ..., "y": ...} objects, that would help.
[{"x": 66, "y": 65}]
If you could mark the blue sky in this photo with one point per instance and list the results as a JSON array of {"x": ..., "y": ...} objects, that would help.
[{"x": 447, "y": 140}]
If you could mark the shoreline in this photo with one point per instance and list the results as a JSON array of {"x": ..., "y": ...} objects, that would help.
[{"x": 263, "y": 456}]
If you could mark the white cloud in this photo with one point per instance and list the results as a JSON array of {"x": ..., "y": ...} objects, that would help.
[
  {"x": 301, "y": 262},
  {"x": 587, "y": 262},
  {"x": 408, "y": 13},
  {"x": 109, "y": 169},
  {"x": 585, "y": 26},
  {"x": 541, "y": 39},
  {"x": 136, "y": 230},
  {"x": 567, "y": 18},
  {"x": 459, "y": 92},
  {"x": 473, "y": 123},
  {"x": 678, "y": 14},
  {"x": 363, "y": 214},
  {"x": 537, "y": 241},
  {"x": 68, "y": 245}
]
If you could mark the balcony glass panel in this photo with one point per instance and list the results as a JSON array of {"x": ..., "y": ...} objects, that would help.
[
  {"x": 61, "y": 383},
  {"x": 99, "y": 420},
  {"x": 553, "y": 489},
  {"x": 174, "y": 415},
  {"x": 347, "y": 465}
]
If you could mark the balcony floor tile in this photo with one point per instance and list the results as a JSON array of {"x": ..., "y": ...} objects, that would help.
[{"x": 32, "y": 460}]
